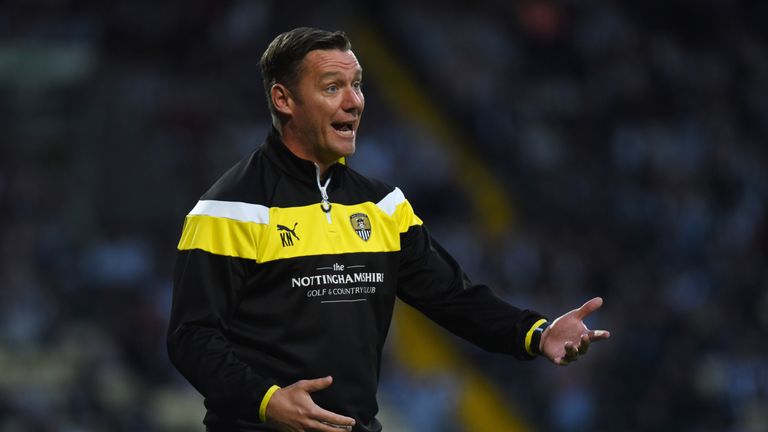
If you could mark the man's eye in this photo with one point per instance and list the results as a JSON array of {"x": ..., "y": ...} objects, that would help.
[
  {"x": 357, "y": 85},
  {"x": 332, "y": 88}
]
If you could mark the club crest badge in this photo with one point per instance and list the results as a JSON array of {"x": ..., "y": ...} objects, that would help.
[{"x": 361, "y": 224}]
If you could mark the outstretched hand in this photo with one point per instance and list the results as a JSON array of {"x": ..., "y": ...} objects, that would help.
[
  {"x": 568, "y": 338},
  {"x": 292, "y": 409}
]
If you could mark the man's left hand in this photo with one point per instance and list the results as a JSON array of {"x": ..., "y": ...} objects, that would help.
[{"x": 568, "y": 338}]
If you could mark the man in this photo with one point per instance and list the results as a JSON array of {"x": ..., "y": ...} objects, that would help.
[{"x": 288, "y": 267}]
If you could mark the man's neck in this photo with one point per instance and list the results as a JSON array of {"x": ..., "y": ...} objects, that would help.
[{"x": 303, "y": 152}]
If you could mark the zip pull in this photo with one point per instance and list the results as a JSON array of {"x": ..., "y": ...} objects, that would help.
[{"x": 325, "y": 205}]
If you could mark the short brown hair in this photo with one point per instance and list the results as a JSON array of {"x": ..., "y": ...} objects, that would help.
[{"x": 281, "y": 61}]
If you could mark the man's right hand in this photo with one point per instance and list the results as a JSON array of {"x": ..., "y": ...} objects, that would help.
[{"x": 293, "y": 410}]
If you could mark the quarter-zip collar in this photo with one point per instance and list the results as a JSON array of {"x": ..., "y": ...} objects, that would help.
[{"x": 303, "y": 170}]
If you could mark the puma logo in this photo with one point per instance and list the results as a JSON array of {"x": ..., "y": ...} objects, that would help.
[{"x": 287, "y": 234}]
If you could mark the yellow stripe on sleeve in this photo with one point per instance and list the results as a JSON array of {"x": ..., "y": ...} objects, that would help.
[
  {"x": 396, "y": 205},
  {"x": 405, "y": 216},
  {"x": 220, "y": 236}
]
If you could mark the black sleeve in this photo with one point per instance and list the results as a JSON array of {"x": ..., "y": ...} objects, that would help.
[
  {"x": 204, "y": 293},
  {"x": 431, "y": 281}
]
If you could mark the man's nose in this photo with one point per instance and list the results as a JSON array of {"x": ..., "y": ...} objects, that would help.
[{"x": 353, "y": 101}]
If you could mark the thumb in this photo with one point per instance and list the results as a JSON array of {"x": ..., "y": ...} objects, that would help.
[
  {"x": 317, "y": 384},
  {"x": 589, "y": 307}
]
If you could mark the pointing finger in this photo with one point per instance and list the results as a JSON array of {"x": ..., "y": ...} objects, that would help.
[
  {"x": 589, "y": 307},
  {"x": 316, "y": 384}
]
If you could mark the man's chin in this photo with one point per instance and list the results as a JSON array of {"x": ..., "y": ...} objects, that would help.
[{"x": 346, "y": 150}]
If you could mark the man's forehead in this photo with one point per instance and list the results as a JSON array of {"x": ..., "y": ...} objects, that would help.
[{"x": 328, "y": 61}]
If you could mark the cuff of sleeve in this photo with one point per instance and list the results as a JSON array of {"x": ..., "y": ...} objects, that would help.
[
  {"x": 265, "y": 402},
  {"x": 529, "y": 337}
]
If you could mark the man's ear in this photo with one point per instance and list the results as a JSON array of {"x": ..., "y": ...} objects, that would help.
[{"x": 282, "y": 99}]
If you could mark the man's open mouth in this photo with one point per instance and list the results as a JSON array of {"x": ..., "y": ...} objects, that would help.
[{"x": 344, "y": 128}]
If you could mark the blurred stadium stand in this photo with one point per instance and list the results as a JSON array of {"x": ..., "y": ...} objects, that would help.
[{"x": 618, "y": 149}]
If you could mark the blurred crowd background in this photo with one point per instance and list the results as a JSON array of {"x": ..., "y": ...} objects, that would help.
[{"x": 628, "y": 137}]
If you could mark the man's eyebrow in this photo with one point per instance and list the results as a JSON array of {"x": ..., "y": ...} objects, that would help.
[{"x": 333, "y": 74}]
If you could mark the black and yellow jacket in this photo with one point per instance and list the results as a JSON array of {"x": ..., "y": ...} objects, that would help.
[{"x": 269, "y": 288}]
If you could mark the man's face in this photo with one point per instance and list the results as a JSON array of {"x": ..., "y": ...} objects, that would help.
[{"x": 328, "y": 104}]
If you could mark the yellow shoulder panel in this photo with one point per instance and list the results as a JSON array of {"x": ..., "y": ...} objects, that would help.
[{"x": 220, "y": 236}]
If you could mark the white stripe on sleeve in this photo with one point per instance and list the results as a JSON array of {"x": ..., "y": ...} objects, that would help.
[
  {"x": 239, "y": 211},
  {"x": 390, "y": 202}
]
